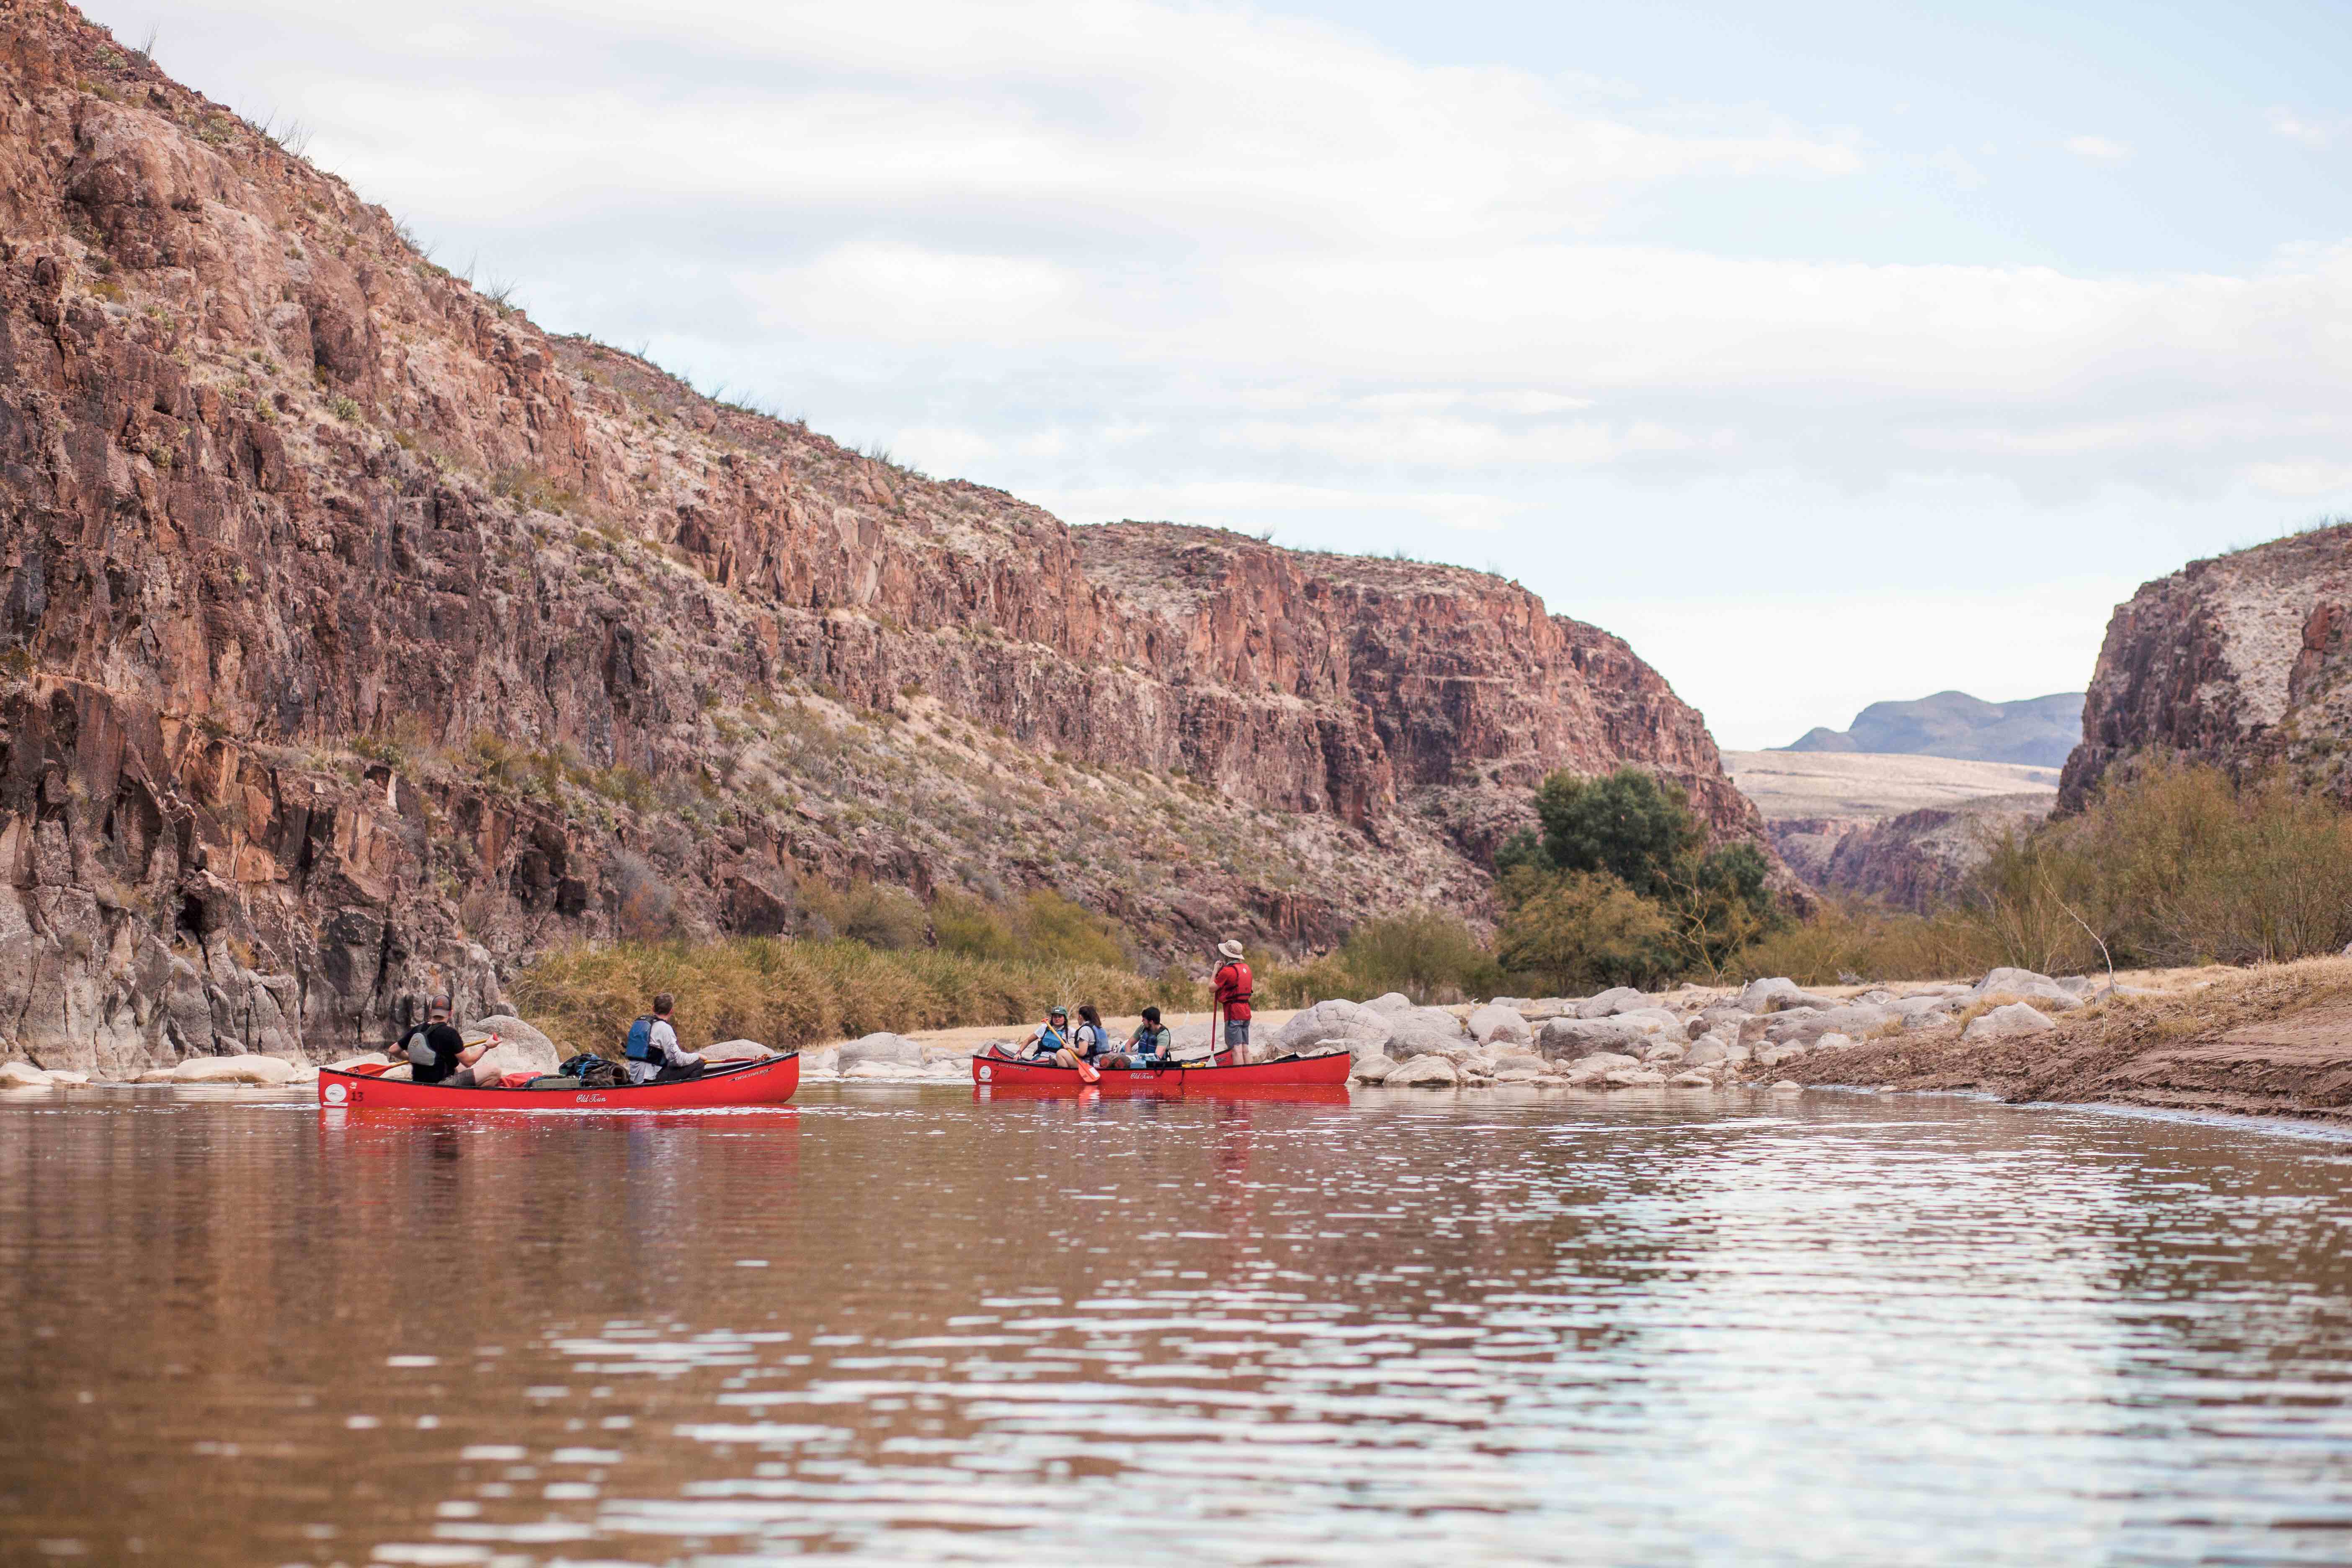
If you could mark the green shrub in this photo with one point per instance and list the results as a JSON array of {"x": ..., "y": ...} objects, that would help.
[{"x": 1579, "y": 931}]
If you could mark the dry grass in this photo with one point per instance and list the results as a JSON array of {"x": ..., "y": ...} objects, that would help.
[{"x": 785, "y": 992}]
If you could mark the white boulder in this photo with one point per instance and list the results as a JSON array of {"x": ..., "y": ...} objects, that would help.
[
  {"x": 1393, "y": 1002},
  {"x": 1424, "y": 1072},
  {"x": 22, "y": 1075},
  {"x": 1328, "y": 1026},
  {"x": 2016, "y": 1018},
  {"x": 2026, "y": 986},
  {"x": 1616, "y": 999},
  {"x": 1372, "y": 1069},
  {"x": 736, "y": 1051},
  {"x": 1495, "y": 1023}
]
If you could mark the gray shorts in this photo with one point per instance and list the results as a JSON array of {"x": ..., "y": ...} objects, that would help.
[{"x": 1237, "y": 1031}]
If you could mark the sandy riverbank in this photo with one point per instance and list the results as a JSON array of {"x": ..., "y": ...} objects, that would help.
[{"x": 2274, "y": 1041}]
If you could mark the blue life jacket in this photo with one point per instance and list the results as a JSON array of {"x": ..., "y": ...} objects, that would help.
[{"x": 640, "y": 1047}]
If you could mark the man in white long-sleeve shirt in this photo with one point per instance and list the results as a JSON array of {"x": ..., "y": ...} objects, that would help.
[{"x": 663, "y": 1061}]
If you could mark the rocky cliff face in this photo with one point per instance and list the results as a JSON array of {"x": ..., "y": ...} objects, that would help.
[
  {"x": 359, "y": 637},
  {"x": 1915, "y": 861},
  {"x": 2240, "y": 661}
]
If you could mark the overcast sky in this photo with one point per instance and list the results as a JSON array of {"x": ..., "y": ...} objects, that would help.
[{"x": 1829, "y": 352}]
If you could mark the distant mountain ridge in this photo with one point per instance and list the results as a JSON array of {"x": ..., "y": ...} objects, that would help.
[{"x": 2039, "y": 731}]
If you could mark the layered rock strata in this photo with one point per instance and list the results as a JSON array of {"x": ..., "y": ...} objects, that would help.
[{"x": 358, "y": 637}]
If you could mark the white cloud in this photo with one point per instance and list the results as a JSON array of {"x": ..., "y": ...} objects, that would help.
[
  {"x": 2312, "y": 131},
  {"x": 1246, "y": 504},
  {"x": 2098, "y": 149},
  {"x": 2302, "y": 479}
]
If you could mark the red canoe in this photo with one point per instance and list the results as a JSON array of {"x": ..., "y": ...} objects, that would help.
[
  {"x": 1289, "y": 1072},
  {"x": 769, "y": 1081}
]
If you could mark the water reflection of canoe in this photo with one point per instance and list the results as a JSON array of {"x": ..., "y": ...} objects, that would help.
[
  {"x": 1289, "y": 1072},
  {"x": 769, "y": 1081}
]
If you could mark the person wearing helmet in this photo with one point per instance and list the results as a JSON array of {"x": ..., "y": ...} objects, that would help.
[{"x": 1057, "y": 1042}]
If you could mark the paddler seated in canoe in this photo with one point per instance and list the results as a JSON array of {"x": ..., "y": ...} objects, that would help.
[
  {"x": 1147, "y": 1048},
  {"x": 652, "y": 1050},
  {"x": 437, "y": 1053},
  {"x": 1056, "y": 1042}
]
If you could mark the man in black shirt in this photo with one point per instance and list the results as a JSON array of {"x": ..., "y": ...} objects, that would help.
[{"x": 451, "y": 1059}]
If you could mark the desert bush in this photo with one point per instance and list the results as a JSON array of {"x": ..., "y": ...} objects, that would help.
[
  {"x": 2176, "y": 864},
  {"x": 786, "y": 993},
  {"x": 1583, "y": 931},
  {"x": 1430, "y": 955},
  {"x": 877, "y": 916},
  {"x": 1851, "y": 938},
  {"x": 749, "y": 988},
  {"x": 1041, "y": 925}
]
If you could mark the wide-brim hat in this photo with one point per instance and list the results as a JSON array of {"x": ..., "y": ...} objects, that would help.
[{"x": 1229, "y": 950}]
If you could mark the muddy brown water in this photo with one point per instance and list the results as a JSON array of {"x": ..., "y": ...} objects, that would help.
[{"x": 910, "y": 1326}]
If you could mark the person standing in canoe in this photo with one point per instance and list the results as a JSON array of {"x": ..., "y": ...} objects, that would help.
[
  {"x": 653, "y": 1050},
  {"x": 1231, "y": 990}
]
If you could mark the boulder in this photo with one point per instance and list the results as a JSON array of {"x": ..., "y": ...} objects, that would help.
[
  {"x": 22, "y": 1075},
  {"x": 2025, "y": 986},
  {"x": 68, "y": 1079},
  {"x": 1656, "y": 1022},
  {"x": 365, "y": 1058},
  {"x": 1329, "y": 1024},
  {"x": 1372, "y": 1069},
  {"x": 166, "y": 1075},
  {"x": 1190, "y": 1042},
  {"x": 1809, "y": 1023},
  {"x": 2016, "y": 1018},
  {"x": 1632, "y": 1077},
  {"x": 1709, "y": 1049},
  {"x": 1616, "y": 999},
  {"x": 1723, "y": 1016},
  {"x": 1788, "y": 1086},
  {"x": 1424, "y": 1072},
  {"x": 532, "y": 1053},
  {"x": 269, "y": 1071},
  {"x": 736, "y": 1051},
  {"x": 1833, "y": 1042},
  {"x": 1571, "y": 1039},
  {"x": 513, "y": 1031},
  {"x": 1922, "y": 1011},
  {"x": 1667, "y": 1051},
  {"x": 1767, "y": 996},
  {"x": 1495, "y": 1023},
  {"x": 1520, "y": 1061},
  {"x": 1690, "y": 1080},
  {"x": 895, "y": 1049},
  {"x": 1543, "y": 1008},
  {"x": 403, "y": 1073},
  {"x": 1519, "y": 1075},
  {"x": 1393, "y": 1002},
  {"x": 825, "y": 1059}
]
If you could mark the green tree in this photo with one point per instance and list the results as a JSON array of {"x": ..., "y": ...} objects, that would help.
[
  {"x": 1579, "y": 930},
  {"x": 1630, "y": 825}
]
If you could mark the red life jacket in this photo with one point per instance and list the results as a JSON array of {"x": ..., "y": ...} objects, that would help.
[{"x": 1233, "y": 988}]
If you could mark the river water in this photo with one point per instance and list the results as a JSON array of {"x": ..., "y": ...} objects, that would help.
[{"x": 912, "y": 1326}]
